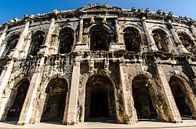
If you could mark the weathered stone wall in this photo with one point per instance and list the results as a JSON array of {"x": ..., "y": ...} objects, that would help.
[{"x": 97, "y": 48}]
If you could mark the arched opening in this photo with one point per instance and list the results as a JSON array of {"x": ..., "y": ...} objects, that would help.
[
  {"x": 37, "y": 41},
  {"x": 161, "y": 40},
  {"x": 100, "y": 101},
  {"x": 56, "y": 93},
  {"x": 187, "y": 42},
  {"x": 11, "y": 44},
  {"x": 132, "y": 39},
  {"x": 99, "y": 38},
  {"x": 66, "y": 38},
  {"x": 181, "y": 99},
  {"x": 142, "y": 98},
  {"x": 19, "y": 95}
]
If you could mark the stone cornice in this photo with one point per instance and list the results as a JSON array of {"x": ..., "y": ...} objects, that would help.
[{"x": 102, "y": 9}]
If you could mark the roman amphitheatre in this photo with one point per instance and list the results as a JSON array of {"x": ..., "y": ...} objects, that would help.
[{"x": 98, "y": 63}]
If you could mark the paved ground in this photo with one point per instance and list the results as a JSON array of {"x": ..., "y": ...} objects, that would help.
[{"x": 187, "y": 124}]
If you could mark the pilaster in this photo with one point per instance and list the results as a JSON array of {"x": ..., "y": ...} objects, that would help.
[
  {"x": 54, "y": 43},
  {"x": 180, "y": 47},
  {"x": 173, "y": 110},
  {"x": 129, "y": 111},
  {"x": 5, "y": 76},
  {"x": 151, "y": 44},
  {"x": 191, "y": 63},
  {"x": 117, "y": 31},
  {"x": 194, "y": 99},
  {"x": 119, "y": 44},
  {"x": 37, "y": 113},
  {"x": 45, "y": 48},
  {"x": 70, "y": 117},
  {"x": 6, "y": 99},
  {"x": 191, "y": 92},
  {"x": 27, "y": 109},
  {"x": 26, "y": 46},
  {"x": 193, "y": 29},
  {"x": 20, "y": 44},
  {"x": 2, "y": 38},
  {"x": 80, "y": 46}
]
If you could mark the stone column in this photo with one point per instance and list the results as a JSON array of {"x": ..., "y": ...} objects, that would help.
[
  {"x": 5, "y": 76},
  {"x": 193, "y": 68},
  {"x": 180, "y": 47},
  {"x": 54, "y": 41},
  {"x": 45, "y": 48},
  {"x": 70, "y": 117},
  {"x": 2, "y": 38},
  {"x": 79, "y": 45},
  {"x": 194, "y": 81},
  {"x": 20, "y": 44},
  {"x": 193, "y": 29},
  {"x": 26, "y": 46},
  {"x": 117, "y": 31},
  {"x": 192, "y": 101},
  {"x": 193, "y": 87},
  {"x": 129, "y": 110},
  {"x": 37, "y": 114},
  {"x": 80, "y": 32},
  {"x": 6, "y": 98},
  {"x": 173, "y": 110},
  {"x": 194, "y": 98},
  {"x": 190, "y": 93},
  {"x": 119, "y": 44},
  {"x": 150, "y": 40},
  {"x": 27, "y": 109}
]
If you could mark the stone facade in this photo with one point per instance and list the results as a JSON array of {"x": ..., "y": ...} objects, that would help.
[{"x": 98, "y": 63}]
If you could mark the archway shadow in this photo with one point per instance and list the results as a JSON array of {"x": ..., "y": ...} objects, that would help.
[
  {"x": 55, "y": 101},
  {"x": 10, "y": 122},
  {"x": 187, "y": 117},
  {"x": 101, "y": 120},
  {"x": 100, "y": 106}
]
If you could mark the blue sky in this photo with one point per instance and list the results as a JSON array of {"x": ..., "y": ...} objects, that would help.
[{"x": 18, "y": 8}]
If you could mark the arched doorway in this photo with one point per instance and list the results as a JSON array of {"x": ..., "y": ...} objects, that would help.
[
  {"x": 37, "y": 41},
  {"x": 161, "y": 40},
  {"x": 55, "y": 100},
  {"x": 19, "y": 95},
  {"x": 142, "y": 98},
  {"x": 132, "y": 39},
  {"x": 66, "y": 38},
  {"x": 180, "y": 97},
  {"x": 99, "y": 38},
  {"x": 11, "y": 44},
  {"x": 100, "y": 101},
  {"x": 187, "y": 41}
]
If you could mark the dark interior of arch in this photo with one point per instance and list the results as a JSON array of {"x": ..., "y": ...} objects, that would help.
[
  {"x": 179, "y": 96},
  {"x": 19, "y": 98},
  {"x": 100, "y": 38},
  {"x": 160, "y": 38},
  {"x": 11, "y": 44},
  {"x": 55, "y": 100},
  {"x": 187, "y": 42},
  {"x": 66, "y": 40},
  {"x": 100, "y": 103},
  {"x": 37, "y": 41},
  {"x": 142, "y": 98},
  {"x": 132, "y": 39}
]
